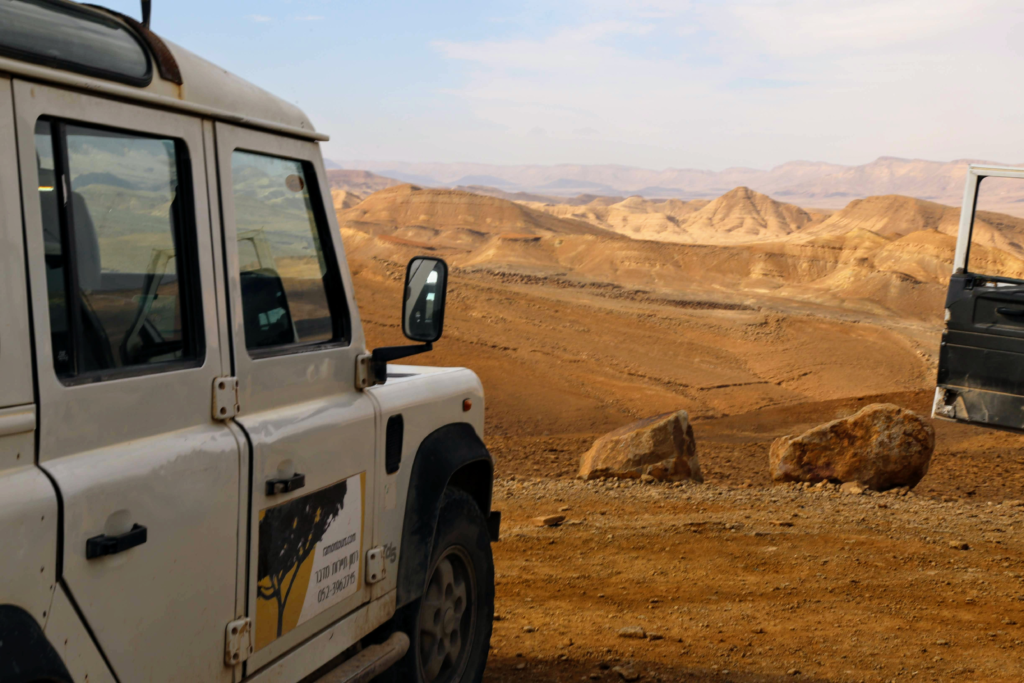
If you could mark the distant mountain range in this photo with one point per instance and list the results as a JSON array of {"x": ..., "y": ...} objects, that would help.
[{"x": 805, "y": 183}]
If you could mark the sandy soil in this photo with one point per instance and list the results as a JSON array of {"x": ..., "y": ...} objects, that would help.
[
  {"x": 736, "y": 575},
  {"x": 755, "y": 585}
]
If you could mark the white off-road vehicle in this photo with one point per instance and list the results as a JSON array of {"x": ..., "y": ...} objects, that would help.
[
  {"x": 204, "y": 476},
  {"x": 981, "y": 360}
]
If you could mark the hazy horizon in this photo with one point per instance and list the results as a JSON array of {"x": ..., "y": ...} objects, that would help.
[{"x": 357, "y": 164}]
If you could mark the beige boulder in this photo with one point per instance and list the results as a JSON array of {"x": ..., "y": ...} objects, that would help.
[
  {"x": 882, "y": 446},
  {"x": 662, "y": 447}
]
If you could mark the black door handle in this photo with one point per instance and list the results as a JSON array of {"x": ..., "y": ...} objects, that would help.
[
  {"x": 285, "y": 484},
  {"x": 1010, "y": 312},
  {"x": 99, "y": 546}
]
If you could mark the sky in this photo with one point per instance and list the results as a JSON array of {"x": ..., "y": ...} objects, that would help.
[{"x": 648, "y": 83}]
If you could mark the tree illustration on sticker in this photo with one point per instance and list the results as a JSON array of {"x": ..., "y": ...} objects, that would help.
[{"x": 288, "y": 534}]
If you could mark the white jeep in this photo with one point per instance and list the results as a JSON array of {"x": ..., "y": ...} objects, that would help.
[{"x": 204, "y": 476}]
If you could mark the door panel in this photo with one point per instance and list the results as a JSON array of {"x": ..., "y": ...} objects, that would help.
[
  {"x": 127, "y": 346},
  {"x": 981, "y": 360},
  {"x": 295, "y": 338},
  {"x": 177, "y": 587}
]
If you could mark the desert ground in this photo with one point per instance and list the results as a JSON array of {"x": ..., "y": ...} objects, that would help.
[{"x": 760, "y": 319}]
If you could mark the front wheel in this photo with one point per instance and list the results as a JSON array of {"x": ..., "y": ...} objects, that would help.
[{"x": 450, "y": 626}]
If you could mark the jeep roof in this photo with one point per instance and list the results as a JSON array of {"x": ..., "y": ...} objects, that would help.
[{"x": 95, "y": 49}]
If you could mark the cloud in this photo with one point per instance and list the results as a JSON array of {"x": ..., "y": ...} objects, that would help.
[
  {"x": 643, "y": 8},
  {"x": 259, "y": 18},
  {"x": 721, "y": 82},
  {"x": 801, "y": 27},
  {"x": 568, "y": 46}
]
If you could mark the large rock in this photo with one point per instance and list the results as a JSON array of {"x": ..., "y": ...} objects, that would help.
[
  {"x": 662, "y": 447},
  {"x": 882, "y": 446}
]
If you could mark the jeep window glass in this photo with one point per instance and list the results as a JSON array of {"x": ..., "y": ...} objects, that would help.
[
  {"x": 290, "y": 290},
  {"x": 113, "y": 227},
  {"x": 66, "y": 36},
  {"x": 997, "y": 234}
]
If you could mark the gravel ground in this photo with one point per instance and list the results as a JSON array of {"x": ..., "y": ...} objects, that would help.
[{"x": 754, "y": 584}]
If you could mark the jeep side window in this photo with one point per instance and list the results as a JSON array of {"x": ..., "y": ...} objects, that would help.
[
  {"x": 114, "y": 226},
  {"x": 291, "y": 290}
]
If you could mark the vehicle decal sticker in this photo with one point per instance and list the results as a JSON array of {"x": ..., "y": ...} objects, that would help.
[{"x": 309, "y": 556}]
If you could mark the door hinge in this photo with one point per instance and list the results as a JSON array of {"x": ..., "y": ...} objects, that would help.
[
  {"x": 225, "y": 398},
  {"x": 237, "y": 641},
  {"x": 364, "y": 371},
  {"x": 376, "y": 566}
]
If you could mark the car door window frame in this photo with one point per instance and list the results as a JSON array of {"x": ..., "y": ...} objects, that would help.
[
  {"x": 294, "y": 375},
  {"x": 85, "y": 412},
  {"x": 975, "y": 175},
  {"x": 334, "y": 288},
  {"x": 184, "y": 234}
]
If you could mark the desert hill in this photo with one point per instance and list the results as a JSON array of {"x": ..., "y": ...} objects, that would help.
[
  {"x": 890, "y": 216},
  {"x": 897, "y": 216},
  {"x": 415, "y": 210},
  {"x": 634, "y": 217},
  {"x": 345, "y": 199},
  {"x": 528, "y": 197},
  {"x": 744, "y": 215},
  {"x": 739, "y": 216},
  {"x": 362, "y": 183},
  {"x": 890, "y": 255}
]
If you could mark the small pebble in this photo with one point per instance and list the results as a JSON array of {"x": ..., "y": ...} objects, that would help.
[
  {"x": 550, "y": 520},
  {"x": 632, "y": 632}
]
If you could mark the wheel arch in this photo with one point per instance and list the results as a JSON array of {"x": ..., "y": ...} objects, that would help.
[
  {"x": 26, "y": 655},
  {"x": 453, "y": 455}
]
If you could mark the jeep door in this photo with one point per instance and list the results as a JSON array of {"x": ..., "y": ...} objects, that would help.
[
  {"x": 127, "y": 350},
  {"x": 981, "y": 360},
  {"x": 295, "y": 337}
]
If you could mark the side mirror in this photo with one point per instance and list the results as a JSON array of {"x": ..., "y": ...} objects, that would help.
[{"x": 426, "y": 283}]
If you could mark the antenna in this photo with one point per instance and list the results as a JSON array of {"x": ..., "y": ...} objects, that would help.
[{"x": 145, "y": 13}]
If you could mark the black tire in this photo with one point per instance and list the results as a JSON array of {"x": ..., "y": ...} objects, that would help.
[{"x": 462, "y": 546}]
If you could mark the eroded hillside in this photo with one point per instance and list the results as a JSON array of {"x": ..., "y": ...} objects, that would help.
[
  {"x": 614, "y": 328},
  {"x": 884, "y": 256}
]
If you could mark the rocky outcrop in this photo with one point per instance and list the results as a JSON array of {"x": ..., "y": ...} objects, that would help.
[
  {"x": 882, "y": 446},
  {"x": 662, "y": 447}
]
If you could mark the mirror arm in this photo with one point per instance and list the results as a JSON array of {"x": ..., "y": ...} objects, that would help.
[{"x": 381, "y": 356}]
